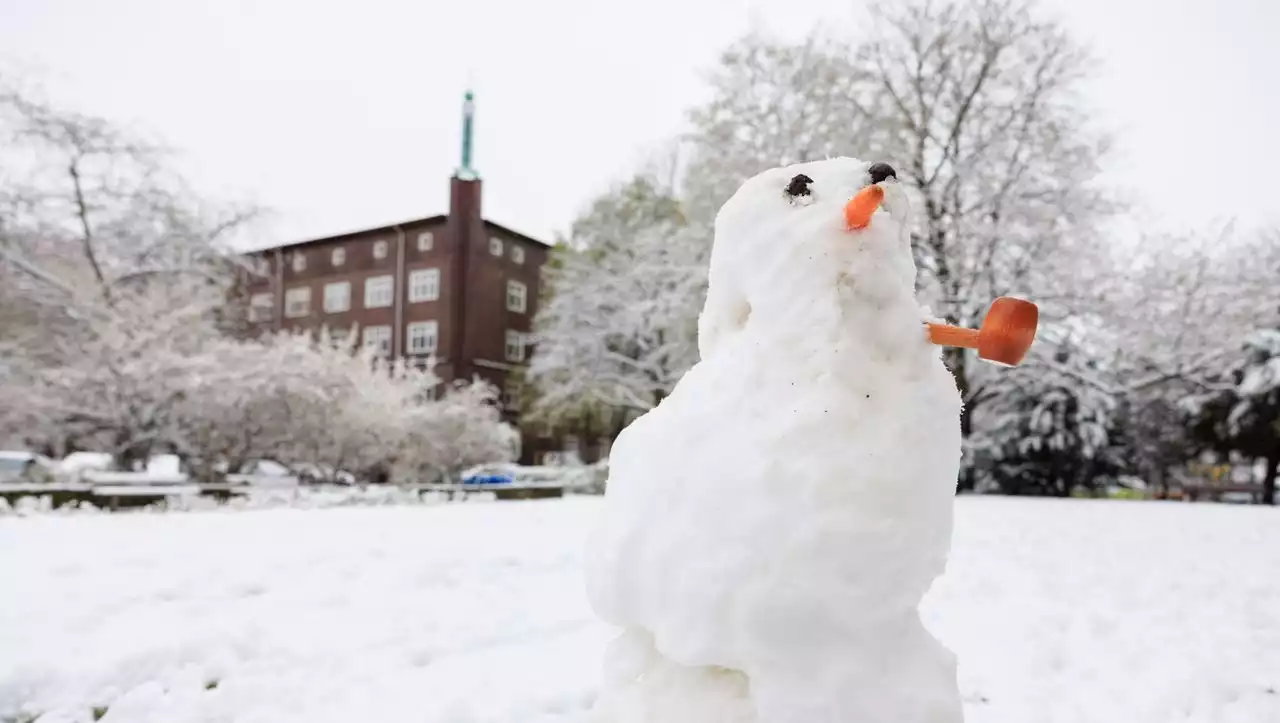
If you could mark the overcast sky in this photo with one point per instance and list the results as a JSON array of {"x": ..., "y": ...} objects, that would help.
[{"x": 346, "y": 115}]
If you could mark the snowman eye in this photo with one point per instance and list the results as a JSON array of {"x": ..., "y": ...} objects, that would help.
[{"x": 799, "y": 186}]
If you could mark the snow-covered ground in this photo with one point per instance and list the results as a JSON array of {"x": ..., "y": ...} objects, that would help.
[{"x": 1060, "y": 611}]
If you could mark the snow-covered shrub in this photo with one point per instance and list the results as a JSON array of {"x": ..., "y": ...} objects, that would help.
[{"x": 461, "y": 429}]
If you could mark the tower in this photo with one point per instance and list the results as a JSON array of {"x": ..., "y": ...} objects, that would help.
[
  {"x": 467, "y": 229},
  {"x": 465, "y": 171}
]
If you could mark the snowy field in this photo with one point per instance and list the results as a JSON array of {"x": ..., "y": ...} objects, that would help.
[{"x": 1060, "y": 611}]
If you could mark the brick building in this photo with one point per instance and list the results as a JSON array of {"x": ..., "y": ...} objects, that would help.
[{"x": 456, "y": 287}]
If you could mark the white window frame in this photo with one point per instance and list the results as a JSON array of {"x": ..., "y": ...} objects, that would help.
[
  {"x": 338, "y": 256},
  {"x": 424, "y": 285},
  {"x": 377, "y": 338},
  {"x": 379, "y": 291},
  {"x": 517, "y": 297},
  {"x": 262, "y": 306},
  {"x": 426, "y": 241},
  {"x": 514, "y": 347},
  {"x": 297, "y": 295},
  {"x": 517, "y": 254},
  {"x": 335, "y": 303},
  {"x": 495, "y": 246},
  {"x": 380, "y": 249},
  {"x": 299, "y": 262},
  {"x": 422, "y": 330}
]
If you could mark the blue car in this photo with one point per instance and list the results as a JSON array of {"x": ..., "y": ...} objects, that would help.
[{"x": 487, "y": 478}]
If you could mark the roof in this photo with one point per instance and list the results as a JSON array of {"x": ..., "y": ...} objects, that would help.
[
  {"x": 439, "y": 218},
  {"x": 517, "y": 234}
]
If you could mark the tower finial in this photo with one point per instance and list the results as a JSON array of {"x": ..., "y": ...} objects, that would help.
[{"x": 465, "y": 171}]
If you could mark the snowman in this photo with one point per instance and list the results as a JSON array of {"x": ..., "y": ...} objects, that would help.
[{"x": 770, "y": 528}]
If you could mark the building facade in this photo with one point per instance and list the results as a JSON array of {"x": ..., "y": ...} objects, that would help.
[{"x": 457, "y": 288}]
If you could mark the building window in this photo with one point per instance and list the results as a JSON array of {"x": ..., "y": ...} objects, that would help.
[
  {"x": 426, "y": 240},
  {"x": 378, "y": 339},
  {"x": 379, "y": 249},
  {"x": 262, "y": 307},
  {"x": 495, "y": 245},
  {"x": 337, "y": 297},
  {"x": 299, "y": 261},
  {"x": 515, "y": 346},
  {"x": 378, "y": 291},
  {"x": 517, "y": 297},
  {"x": 424, "y": 285},
  {"x": 422, "y": 337},
  {"x": 262, "y": 267},
  {"x": 511, "y": 396},
  {"x": 338, "y": 257},
  {"x": 517, "y": 254},
  {"x": 297, "y": 302}
]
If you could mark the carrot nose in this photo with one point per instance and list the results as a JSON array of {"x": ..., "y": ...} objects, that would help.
[{"x": 857, "y": 212}]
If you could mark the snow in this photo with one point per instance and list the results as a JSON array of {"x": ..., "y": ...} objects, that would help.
[
  {"x": 799, "y": 590},
  {"x": 1061, "y": 611},
  {"x": 395, "y": 613}
]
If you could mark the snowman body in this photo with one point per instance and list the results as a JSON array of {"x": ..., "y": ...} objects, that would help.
[{"x": 770, "y": 528}]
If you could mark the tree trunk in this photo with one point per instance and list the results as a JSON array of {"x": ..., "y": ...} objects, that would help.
[
  {"x": 954, "y": 358},
  {"x": 1161, "y": 482},
  {"x": 1269, "y": 479}
]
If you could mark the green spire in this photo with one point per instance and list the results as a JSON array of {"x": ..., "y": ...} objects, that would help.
[{"x": 465, "y": 171}]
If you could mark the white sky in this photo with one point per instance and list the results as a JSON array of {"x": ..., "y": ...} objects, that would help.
[{"x": 345, "y": 115}]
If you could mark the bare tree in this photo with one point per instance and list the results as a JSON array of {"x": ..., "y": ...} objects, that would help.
[{"x": 88, "y": 209}]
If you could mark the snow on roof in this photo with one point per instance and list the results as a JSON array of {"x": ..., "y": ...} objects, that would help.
[{"x": 259, "y": 248}]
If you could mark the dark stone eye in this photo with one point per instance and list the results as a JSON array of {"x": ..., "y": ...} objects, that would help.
[
  {"x": 881, "y": 171},
  {"x": 799, "y": 186}
]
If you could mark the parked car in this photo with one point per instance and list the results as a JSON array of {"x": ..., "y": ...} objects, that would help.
[
  {"x": 490, "y": 474},
  {"x": 521, "y": 475},
  {"x": 21, "y": 467},
  {"x": 73, "y": 467},
  {"x": 313, "y": 474},
  {"x": 264, "y": 473}
]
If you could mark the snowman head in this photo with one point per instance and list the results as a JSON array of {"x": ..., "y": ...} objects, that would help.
[{"x": 812, "y": 222}]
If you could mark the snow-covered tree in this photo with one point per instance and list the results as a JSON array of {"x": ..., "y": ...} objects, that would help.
[
  {"x": 617, "y": 328},
  {"x": 1045, "y": 434},
  {"x": 774, "y": 103},
  {"x": 107, "y": 262},
  {"x": 352, "y": 413},
  {"x": 1243, "y": 414},
  {"x": 1180, "y": 306},
  {"x": 117, "y": 383}
]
